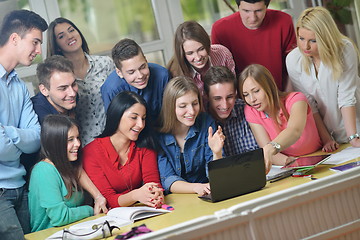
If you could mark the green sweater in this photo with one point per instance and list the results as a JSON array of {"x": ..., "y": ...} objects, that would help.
[{"x": 47, "y": 203}]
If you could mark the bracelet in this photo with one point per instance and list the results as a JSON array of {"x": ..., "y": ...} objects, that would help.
[
  {"x": 276, "y": 146},
  {"x": 356, "y": 135}
]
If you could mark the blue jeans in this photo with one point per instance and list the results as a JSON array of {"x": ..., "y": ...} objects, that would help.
[{"x": 14, "y": 213}]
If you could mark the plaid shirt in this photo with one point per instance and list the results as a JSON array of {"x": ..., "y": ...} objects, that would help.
[
  {"x": 239, "y": 137},
  {"x": 218, "y": 56}
]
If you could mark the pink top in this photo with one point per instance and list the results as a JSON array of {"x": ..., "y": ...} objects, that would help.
[{"x": 309, "y": 140}]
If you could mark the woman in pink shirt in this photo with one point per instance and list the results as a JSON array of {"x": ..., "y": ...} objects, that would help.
[{"x": 282, "y": 123}]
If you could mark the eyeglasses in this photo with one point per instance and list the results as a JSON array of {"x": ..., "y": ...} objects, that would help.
[
  {"x": 98, "y": 231},
  {"x": 135, "y": 231}
]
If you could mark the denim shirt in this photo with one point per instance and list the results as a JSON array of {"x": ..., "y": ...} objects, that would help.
[{"x": 197, "y": 154}]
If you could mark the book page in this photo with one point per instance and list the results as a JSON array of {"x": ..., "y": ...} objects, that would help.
[
  {"x": 345, "y": 155},
  {"x": 135, "y": 213}
]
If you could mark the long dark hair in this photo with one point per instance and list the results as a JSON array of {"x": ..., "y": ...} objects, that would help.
[
  {"x": 54, "y": 140},
  {"x": 119, "y": 104},
  {"x": 52, "y": 46},
  {"x": 189, "y": 30}
]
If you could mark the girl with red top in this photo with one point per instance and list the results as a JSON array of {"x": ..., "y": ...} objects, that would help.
[{"x": 120, "y": 161}]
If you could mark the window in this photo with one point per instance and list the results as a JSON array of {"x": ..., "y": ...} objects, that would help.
[
  {"x": 104, "y": 23},
  {"x": 206, "y": 12}
]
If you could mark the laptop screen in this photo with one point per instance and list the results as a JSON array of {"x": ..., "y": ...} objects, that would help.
[{"x": 236, "y": 175}]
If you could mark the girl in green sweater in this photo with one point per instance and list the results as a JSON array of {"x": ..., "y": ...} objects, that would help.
[{"x": 55, "y": 195}]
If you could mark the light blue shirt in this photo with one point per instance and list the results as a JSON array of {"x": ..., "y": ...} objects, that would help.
[
  {"x": 19, "y": 129},
  {"x": 197, "y": 154}
]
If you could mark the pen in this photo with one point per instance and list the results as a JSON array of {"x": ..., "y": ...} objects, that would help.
[
  {"x": 282, "y": 177},
  {"x": 167, "y": 207}
]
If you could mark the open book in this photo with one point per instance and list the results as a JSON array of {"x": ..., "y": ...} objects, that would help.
[
  {"x": 118, "y": 217},
  {"x": 122, "y": 216}
]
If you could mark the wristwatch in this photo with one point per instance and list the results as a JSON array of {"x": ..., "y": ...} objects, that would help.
[
  {"x": 356, "y": 135},
  {"x": 276, "y": 146}
]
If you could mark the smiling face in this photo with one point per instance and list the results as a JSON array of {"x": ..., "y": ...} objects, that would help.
[
  {"x": 67, "y": 38},
  {"x": 195, "y": 54},
  {"x": 28, "y": 47},
  {"x": 307, "y": 43},
  {"x": 63, "y": 91},
  {"x": 252, "y": 14},
  {"x": 132, "y": 122},
  {"x": 222, "y": 98},
  {"x": 73, "y": 143},
  {"x": 135, "y": 71},
  {"x": 187, "y": 108},
  {"x": 255, "y": 95}
]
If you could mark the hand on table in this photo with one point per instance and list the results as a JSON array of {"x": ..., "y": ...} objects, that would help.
[
  {"x": 355, "y": 142},
  {"x": 202, "y": 188},
  {"x": 150, "y": 194},
  {"x": 100, "y": 205},
  {"x": 330, "y": 146}
]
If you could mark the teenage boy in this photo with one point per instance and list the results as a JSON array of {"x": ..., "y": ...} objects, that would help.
[
  {"x": 256, "y": 34},
  {"x": 58, "y": 95},
  {"x": 134, "y": 73},
  {"x": 20, "y": 42},
  {"x": 58, "y": 88},
  {"x": 228, "y": 110}
]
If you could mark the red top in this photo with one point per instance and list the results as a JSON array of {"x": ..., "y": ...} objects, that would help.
[
  {"x": 268, "y": 45},
  {"x": 102, "y": 163}
]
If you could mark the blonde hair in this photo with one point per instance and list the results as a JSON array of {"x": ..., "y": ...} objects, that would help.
[
  {"x": 328, "y": 38},
  {"x": 264, "y": 78},
  {"x": 177, "y": 87}
]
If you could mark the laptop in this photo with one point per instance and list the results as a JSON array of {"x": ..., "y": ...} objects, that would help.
[{"x": 236, "y": 175}]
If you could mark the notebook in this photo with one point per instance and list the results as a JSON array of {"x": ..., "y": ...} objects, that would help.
[{"x": 236, "y": 175}]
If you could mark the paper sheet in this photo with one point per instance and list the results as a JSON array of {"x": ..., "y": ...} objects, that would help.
[
  {"x": 276, "y": 171},
  {"x": 343, "y": 156}
]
